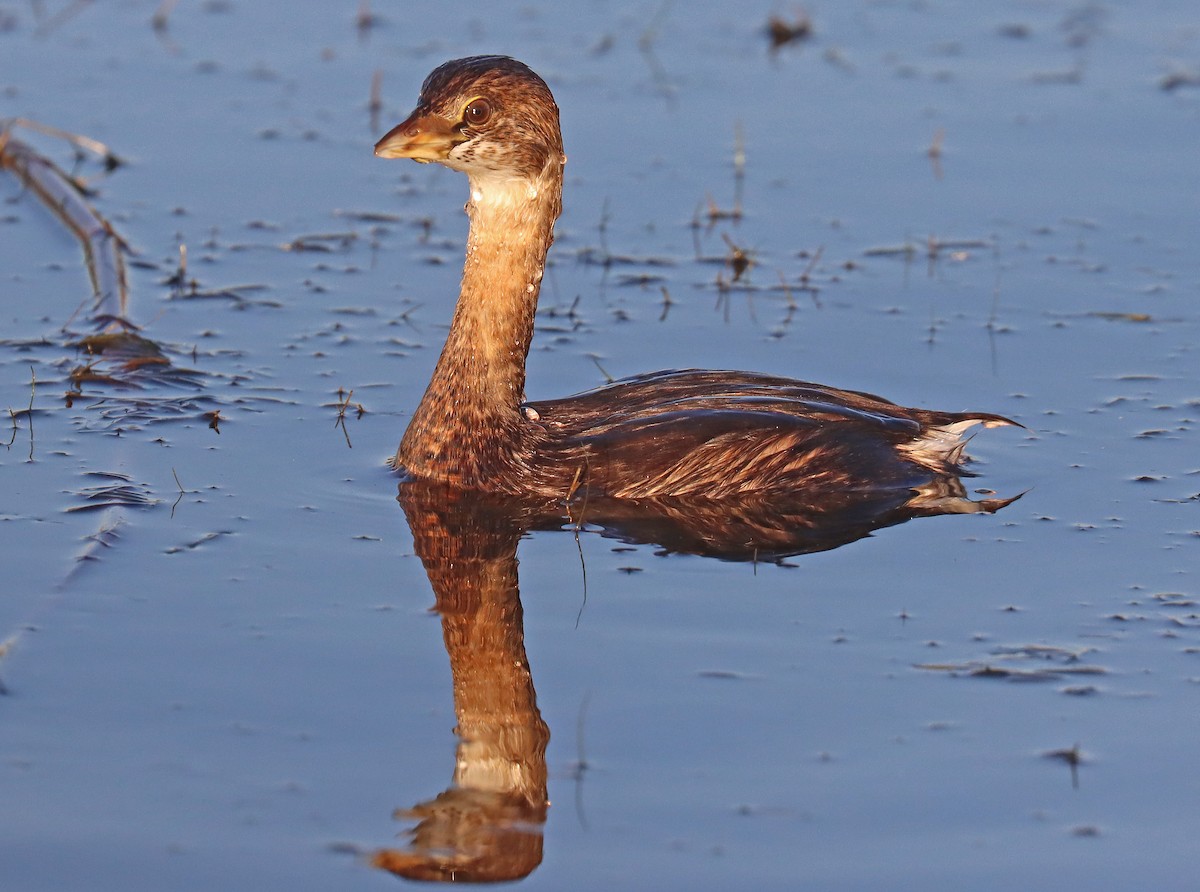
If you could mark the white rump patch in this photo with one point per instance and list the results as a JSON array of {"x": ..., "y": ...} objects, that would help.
[{"x": 940, "y": 446}]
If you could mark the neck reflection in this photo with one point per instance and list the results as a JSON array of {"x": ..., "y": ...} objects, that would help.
[{"x": 487, "y": 826}]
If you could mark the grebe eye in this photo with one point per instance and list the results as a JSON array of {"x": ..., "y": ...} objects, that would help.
[{"x": 477, "y": 113}]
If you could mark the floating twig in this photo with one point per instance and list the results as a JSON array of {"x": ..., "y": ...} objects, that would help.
[
  {"x": 582, "y": 475},
  {"x": 608, "y": 379},
  {"x": 181, "y": 493},
  {"x": 715, "y": 212},
  {"x": 179, "y": 279},
  {"x": 932, "y": 248},
  {"x": 1073, "y": 756},
  {"x": 28, "y": 413},
  {"x": 667, "y": 303},
  {"x": 806, "y": 276},
  {"x": 107, "y": 156},
  {"x": 1120, "y": 317},
  {"x": 342, "y": 405},
  {"x": 738, "y": 259}
]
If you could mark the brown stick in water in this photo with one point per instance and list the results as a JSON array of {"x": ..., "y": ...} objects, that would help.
[{"x": 63, "y": 196}]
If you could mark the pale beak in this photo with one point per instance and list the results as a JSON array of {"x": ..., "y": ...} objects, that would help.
[{"x": 421, "y": 137}]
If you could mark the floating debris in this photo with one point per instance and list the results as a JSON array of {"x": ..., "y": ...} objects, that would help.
[
  {"x": 932, "y": 248},
  {"x": 369, "y": 216},
  {"x": 1073, "y": 756},
  {"x": 342, "y": 405},
  {"x": 130, "y": 361},
  {"x": 131, "y": 413},
  {"x": 196, "y": 543},
  {"x": 117, "y": 491},
  {"x": 601, "y": 257},
  {"x": 1121, "y": 317},
  {"x": 1015, "y": 31},
  {"x": 322, "y": 242},
  {"x": 235, "y": 293},
  {"x": 1176, "y": 79},
  {"x": 1010, "y": 663},
  {"x": 781, "y": 33},
  {"x": 738, "y": 260}
]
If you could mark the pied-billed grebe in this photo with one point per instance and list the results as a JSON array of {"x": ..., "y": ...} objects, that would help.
[{"x": 692, "y": 434}]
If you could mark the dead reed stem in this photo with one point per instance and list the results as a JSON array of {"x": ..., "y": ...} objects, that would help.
[{"x": 103, "y": 249}]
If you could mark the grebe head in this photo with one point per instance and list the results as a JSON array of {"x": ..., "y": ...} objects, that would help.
[{"x": 490, "y": 117}]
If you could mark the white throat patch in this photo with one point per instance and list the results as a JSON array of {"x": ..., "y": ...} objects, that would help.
[{"x": 502, "y": 193}]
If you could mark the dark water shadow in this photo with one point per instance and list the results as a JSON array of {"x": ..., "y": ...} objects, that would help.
[{"x": 487, "y": 825}]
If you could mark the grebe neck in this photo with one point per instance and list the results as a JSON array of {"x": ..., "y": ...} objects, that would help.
[{"x": 469, "y": 418}]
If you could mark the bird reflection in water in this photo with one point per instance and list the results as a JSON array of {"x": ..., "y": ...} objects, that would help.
[{"x": 487, "y": 826}]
